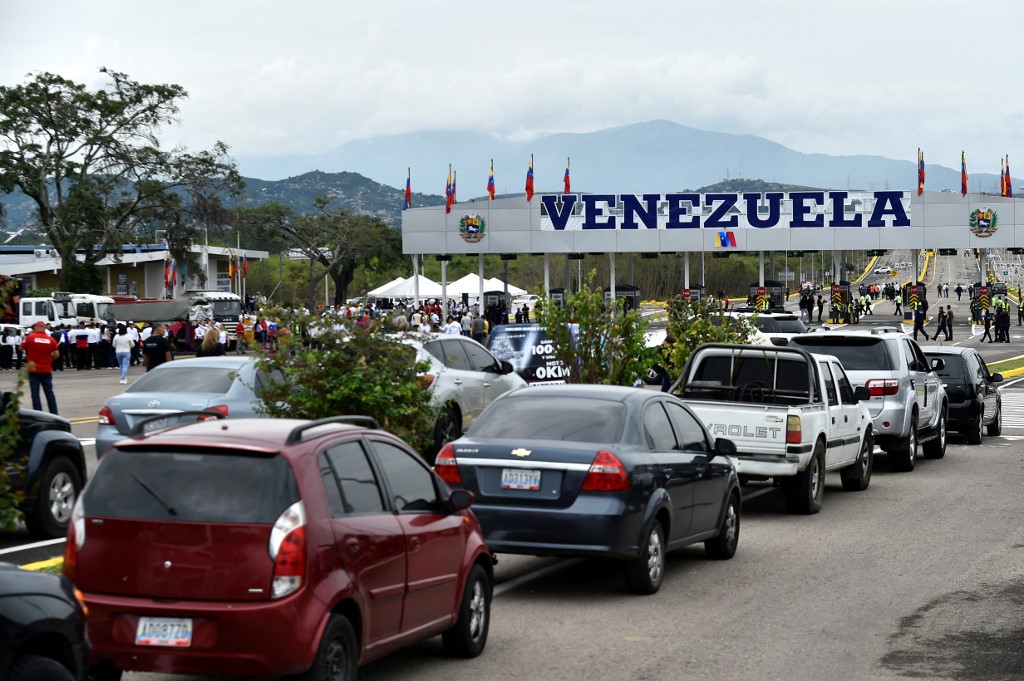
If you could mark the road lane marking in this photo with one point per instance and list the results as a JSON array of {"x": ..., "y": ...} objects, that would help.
[
  {"x": 536, "y": 574},
  {"x": 43, "y": 564},
  {"x": 27, "y": 547}
]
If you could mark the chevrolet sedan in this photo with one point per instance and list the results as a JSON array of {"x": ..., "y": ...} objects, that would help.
[{"x": 603, "y": 471}]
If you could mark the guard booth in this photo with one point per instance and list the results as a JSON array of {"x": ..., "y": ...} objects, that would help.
[
  {"x": 694, "y": 294},
  {"x": 914, "y": 294},
  {"x": 557, "y": 296},
  {"x": 630, "y": 294},
  {"x": 497, "y": 298},
  {"x": 839, "y": 295},
  {"x": 768, "y": 298}
]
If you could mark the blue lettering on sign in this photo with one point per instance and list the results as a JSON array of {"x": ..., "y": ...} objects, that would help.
[
  {"x": 839, "y": 211},
  {"x": 801, "y": 209},
  {"x": 717, "y": 219},
  {"x": 590, "y": 220},
  {"x": 559, "y": 215},
  {"x": 676, "y": 212},
  {"x": 648, "y": 213},
  {"x": 774, "y": 200},
  {"x": 888, "y": 203}
]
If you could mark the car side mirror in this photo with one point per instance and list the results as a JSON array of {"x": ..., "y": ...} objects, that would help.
[
  {"x": 997, "y": 378},
  {"x": 459, "y": 500},
  {"x": 860, "y": 393},
  {"x": 724, "y": 447},
  {"x": 938, "y": 364},
  {"x": 506, "y": 367}
]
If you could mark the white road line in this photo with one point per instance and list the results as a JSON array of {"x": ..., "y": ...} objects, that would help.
[
  {"x": 37, "y": 545},
  {"x": 86, "y": 441},
  {"x": 536, "y": 574},
  {"x": 1013, "y": 409}
]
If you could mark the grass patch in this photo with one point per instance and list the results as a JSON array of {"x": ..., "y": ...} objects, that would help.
[{"x": 1007, "y": 364}]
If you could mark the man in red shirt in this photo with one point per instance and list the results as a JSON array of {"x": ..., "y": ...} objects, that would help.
[{"x": 40, "y": 351}]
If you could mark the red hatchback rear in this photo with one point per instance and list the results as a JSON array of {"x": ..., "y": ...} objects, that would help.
[{"x": 272, "y": 547}]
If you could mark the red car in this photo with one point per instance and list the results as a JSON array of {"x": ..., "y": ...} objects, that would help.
[{"x": 258, "y": 547}]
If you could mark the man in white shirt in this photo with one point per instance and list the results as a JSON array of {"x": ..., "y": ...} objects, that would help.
[
  {"x": 133, "y": 333},
  {"x": 452, "y": 327}
]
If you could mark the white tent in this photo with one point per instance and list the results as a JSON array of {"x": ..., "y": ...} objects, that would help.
[
  {"x": 407, "y": 289},
  {"x": 394, "y": 282},
  {"x": 495, "y": 284},
  {"x": 469, "y": 284}
]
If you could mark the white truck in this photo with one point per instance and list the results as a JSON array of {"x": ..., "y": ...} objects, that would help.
[
  {"x": 792, "y": 415},
  {"x": 65, "y": 308}
]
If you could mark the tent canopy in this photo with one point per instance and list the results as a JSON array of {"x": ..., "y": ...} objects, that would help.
[
  {"x": 495, "y": 284},
  {"x": 407, "y": 289},
  {"x": 380, "y": 289}
]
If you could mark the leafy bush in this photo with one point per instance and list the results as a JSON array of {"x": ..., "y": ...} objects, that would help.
[
  {"x": 335, "y": 366},
  {"x": 10, "y": 435},
  {"x": 596, "y": 344},
  {"x": 692, "y": 323}
]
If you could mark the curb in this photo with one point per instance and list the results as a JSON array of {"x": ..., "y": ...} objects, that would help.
[{"x": 43, "y": 564}]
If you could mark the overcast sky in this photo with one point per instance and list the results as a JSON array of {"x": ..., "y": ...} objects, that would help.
[{"x": 820, "y": 76}]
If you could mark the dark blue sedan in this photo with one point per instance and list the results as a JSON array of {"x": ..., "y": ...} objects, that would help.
[{"x": 604, "y": 471}]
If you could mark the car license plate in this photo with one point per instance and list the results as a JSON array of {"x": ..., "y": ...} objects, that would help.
[
  {"x": 164, "y": 631},
  {"x": 520, "y": 478}
]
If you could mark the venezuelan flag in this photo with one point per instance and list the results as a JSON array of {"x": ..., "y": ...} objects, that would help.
[
  {"x": 490, "y": 183},
  {"x": 529, "y": 180},
  {"x": 565, "y": 179},
  {"x": 1009, "y": 183},
  {"x": 920, "y": 171},
  {"x": 963, "y": 174},
  {"x": 1002, "y": 178},
  {"x": 408, "y": 190}
]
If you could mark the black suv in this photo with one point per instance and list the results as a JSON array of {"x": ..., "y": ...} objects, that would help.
[
  {"x": 42, "y": 627},
  {"x": 975, "y": 404},
  {"x": 48, "y": 467}
]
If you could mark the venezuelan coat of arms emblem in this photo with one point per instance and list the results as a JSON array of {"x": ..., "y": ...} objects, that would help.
[
  {"x": 983, "y": 222},
  {"x": 472, "y": 228}
]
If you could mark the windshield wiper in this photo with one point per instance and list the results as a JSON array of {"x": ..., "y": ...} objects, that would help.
[{"x": 152, "y": 492}]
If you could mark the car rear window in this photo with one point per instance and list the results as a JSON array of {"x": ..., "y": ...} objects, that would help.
[
  {"x": 777, "y": 325},
  {"x": 199, "y": 486},
  {"x": 856, "y": 354},
  {"x": 954, "y": 365},
  {"x": 186, "y": 379},
  {"x": 580, "y": 419}
]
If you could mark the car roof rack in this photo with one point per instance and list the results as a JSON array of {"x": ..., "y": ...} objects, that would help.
[
  {"x": 352, "y": 420},
  {"x": 879, "y": 330},
  {"x": 201, "y": 415}
]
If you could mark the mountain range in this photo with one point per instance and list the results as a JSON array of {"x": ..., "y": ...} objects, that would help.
[{"x": 653, "y": 157}]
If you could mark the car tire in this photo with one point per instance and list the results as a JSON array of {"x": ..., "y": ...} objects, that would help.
[
  {"x": 723, "y": 547},
  {"x": 976, "y": 433},
  {"x": 995, "y": 428},
  {"x": 857, "y": 476},
  {"x": 446, "y": 429},
  {"x": 104, "y": 672},
  {"x": 644, "y": 575},
  {"x": 59, "y": 487},
  {"x": 936, "y": 449},
  {"x": 469, "y": 635},
  {"x": 38, "y": 668},
  {"x": 337, "y": 656},
  {"x": 806, "y": 490},
  {"x": 904, "y": 457}
]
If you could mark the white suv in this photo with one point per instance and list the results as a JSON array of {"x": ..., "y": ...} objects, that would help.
[{"x": 464, "y": 378}]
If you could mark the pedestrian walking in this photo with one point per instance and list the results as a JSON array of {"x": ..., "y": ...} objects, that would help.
[
  {"x": 40, "y": 351},
  {"x": 899, "y": 305},
  {"x": 821, "y": 306},
  {"x": 959, "y": 291},
  {"x": 211, "y": 346},
  {"x": 949, "y": 323},
  {"x": 987, "y": 321},
  {"x": 123, "y": 345},
  {"x": 156, "y": 349},
  {"x": 941, "y": 330},
  {"x": 919, "y": 322}
]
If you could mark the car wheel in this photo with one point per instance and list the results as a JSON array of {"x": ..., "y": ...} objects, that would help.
[
  {"x": 857, "y": 476},
  {"x": 806, "y": 490},
  {"x": 446, "y": 429},
  {"x": 59, "y": 487},
  {"x": 996, "y": 427},
  {"x": 337, "y": 656},
  {"x": 469, "y": 635},
  {"x": 644, "y": 575},
  {"x": 38, "y": 668},
  {"x": 976, "y": 433},
  {"x": 723, "y": 547},
  {"x": 936, "y": 449},
  {"x": 104, "y": 672},
  {"x": 904, "y": 457}
]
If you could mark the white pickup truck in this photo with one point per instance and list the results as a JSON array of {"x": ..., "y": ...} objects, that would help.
[{"x": 792, "y": 415}]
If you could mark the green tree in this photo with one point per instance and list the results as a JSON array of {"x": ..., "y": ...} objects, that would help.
[
  {"x": 10, "y": 434},
  {"x": 333, "y": 366},
  {"x": 596, "y": 344},
  {"x": 91, "y": 161},
  {"x": 335, "y": 241},
  {"x": 692, "y": 323}
]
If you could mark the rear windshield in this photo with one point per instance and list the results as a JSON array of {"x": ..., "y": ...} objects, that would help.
[
  {"x": 198, "y": 486},
  {"x": 551, "y": 418},
  {"x": 856, "y": 354},
  {"x": 187, "y": 379},
  {"x": 954, "y": 365}
]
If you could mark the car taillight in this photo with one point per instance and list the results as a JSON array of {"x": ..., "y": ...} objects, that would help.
[
  {"x": 883, "y": 386},
  {"x": 447, "y": 467},
  {"x": 606, "y": 474},
  {"x": 220, "y": 409},
  {"x": 288, "y": 550},
  {"x": 75, "y": 541},
  {"x": 426, "y": 380},
  {"x": 794, "y": 433},
  {"x": 106, "y": 416}
]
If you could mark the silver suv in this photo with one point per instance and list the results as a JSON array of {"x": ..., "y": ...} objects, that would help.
[{"x": 908, "y": 402}]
